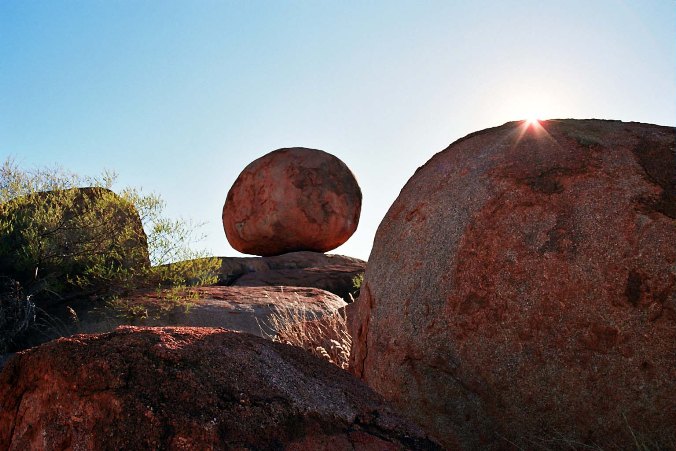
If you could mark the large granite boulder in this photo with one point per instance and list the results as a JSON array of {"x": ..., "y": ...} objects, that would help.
[
  {"x": 292, "y": 200},
  {"x": 190, "y": 388},
  {"x": 522, "y": 288}
]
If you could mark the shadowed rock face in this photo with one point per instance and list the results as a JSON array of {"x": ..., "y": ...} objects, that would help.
[
  {"x": 189, "y": 388},
  {"x": 261, "y": 286},
  {"x": 292, "y": 200},
  {"x": 333, "y": 273},
  {"x": 336, "y": 279},
  {"x": 523, "y": 287},
  {"x": 243, "y": 309}
]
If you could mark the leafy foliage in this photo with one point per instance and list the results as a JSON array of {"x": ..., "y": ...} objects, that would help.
[
  {"x": 59, "y": 240},
  {"x": 17, "y": 313},
  {"x": 71, "y": 241},
  {"x": 175, "y": 299},
  {"x": 358, "y": 280}
]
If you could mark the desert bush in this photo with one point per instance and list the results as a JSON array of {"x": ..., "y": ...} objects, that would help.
[
  {"x": 61, "y": 240},
  {"x": 358, "y": 280},
  {"x": 175, "y": 262},
  {"x": 17, "y": 313},
  {"x": 325, "y": 337},
  {"x": 72, "y": 241},
  {"x": 179, "y": 298}
]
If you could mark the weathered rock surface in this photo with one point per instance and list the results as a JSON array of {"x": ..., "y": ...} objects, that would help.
[
  {"x": 522, "y": 287},
  {"x": 189, "y": 388},
  {"x": 333, "y": 273},
  {"x": 289, "y": 200},
  {"x": 234, "y": 267},
  {"x": 244, "y": 309},
  {"x": 333, "y": 278},
  {"x": 228, "y": 306},
  {"x": 248, "y": 309}
]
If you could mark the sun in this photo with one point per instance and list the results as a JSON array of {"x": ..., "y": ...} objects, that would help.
[{"x": 532, "y": 119}]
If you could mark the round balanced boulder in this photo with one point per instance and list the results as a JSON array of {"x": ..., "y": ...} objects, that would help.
[
  {"x": 289, "y": 200},
  {"x": 522, "y": 289}
]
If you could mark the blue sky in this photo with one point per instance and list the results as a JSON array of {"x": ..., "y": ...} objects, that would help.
[{"x": 178, "y": 97}]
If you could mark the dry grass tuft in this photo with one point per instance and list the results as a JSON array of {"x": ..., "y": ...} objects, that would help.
[{"x": 325, "y": 336}]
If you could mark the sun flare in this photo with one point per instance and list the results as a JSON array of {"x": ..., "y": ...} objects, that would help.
[
  {"x": 532, "y": 119},
  {"x": 533, "y": 101}
]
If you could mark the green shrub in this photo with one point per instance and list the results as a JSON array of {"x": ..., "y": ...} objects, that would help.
[
  {"x": 17, "y": 313},
  {"x": 60, "y": 240},
  {"x": 358, "y": 280},
  {"x": 72, "y": 242}
]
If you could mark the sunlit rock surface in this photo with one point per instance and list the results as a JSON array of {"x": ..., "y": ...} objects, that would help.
[
  {"x": 293, "y": 199},
  {"x": 522, "y": 288}
]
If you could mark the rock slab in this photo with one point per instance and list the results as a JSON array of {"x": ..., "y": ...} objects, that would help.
[
  {"x": 522, "y": 288},
  {"x": 189, "y": 388},
  {"x": 242, "y": 309},
  {"x": 333, "y": 273},
  {"x": 292, "y": 199},
  {"x": 245, "y": 309},
  {"x": 336, "y": 279}
]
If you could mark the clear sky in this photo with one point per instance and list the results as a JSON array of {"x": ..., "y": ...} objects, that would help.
[{"x": 178, "y": 97}]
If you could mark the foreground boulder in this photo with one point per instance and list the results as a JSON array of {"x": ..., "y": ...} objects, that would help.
[
  {"x": 189, "y": 388},
  {"x": 292, "y": 200},
  {"x": 522, "y": 289}
]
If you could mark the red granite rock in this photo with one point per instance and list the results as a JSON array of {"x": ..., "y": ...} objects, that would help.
[
  {"x": 243, "y": 309},
  {"x": 334, "y": 278},
  {"x": 267, "y": 284},
  {"x": 233, "y": 267},
  {"x": 333, "y": 273},
  {"x": 292, "y": 200},
  {"x": 186, "y": 389},
  {"x": 522, "y": 288}
]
